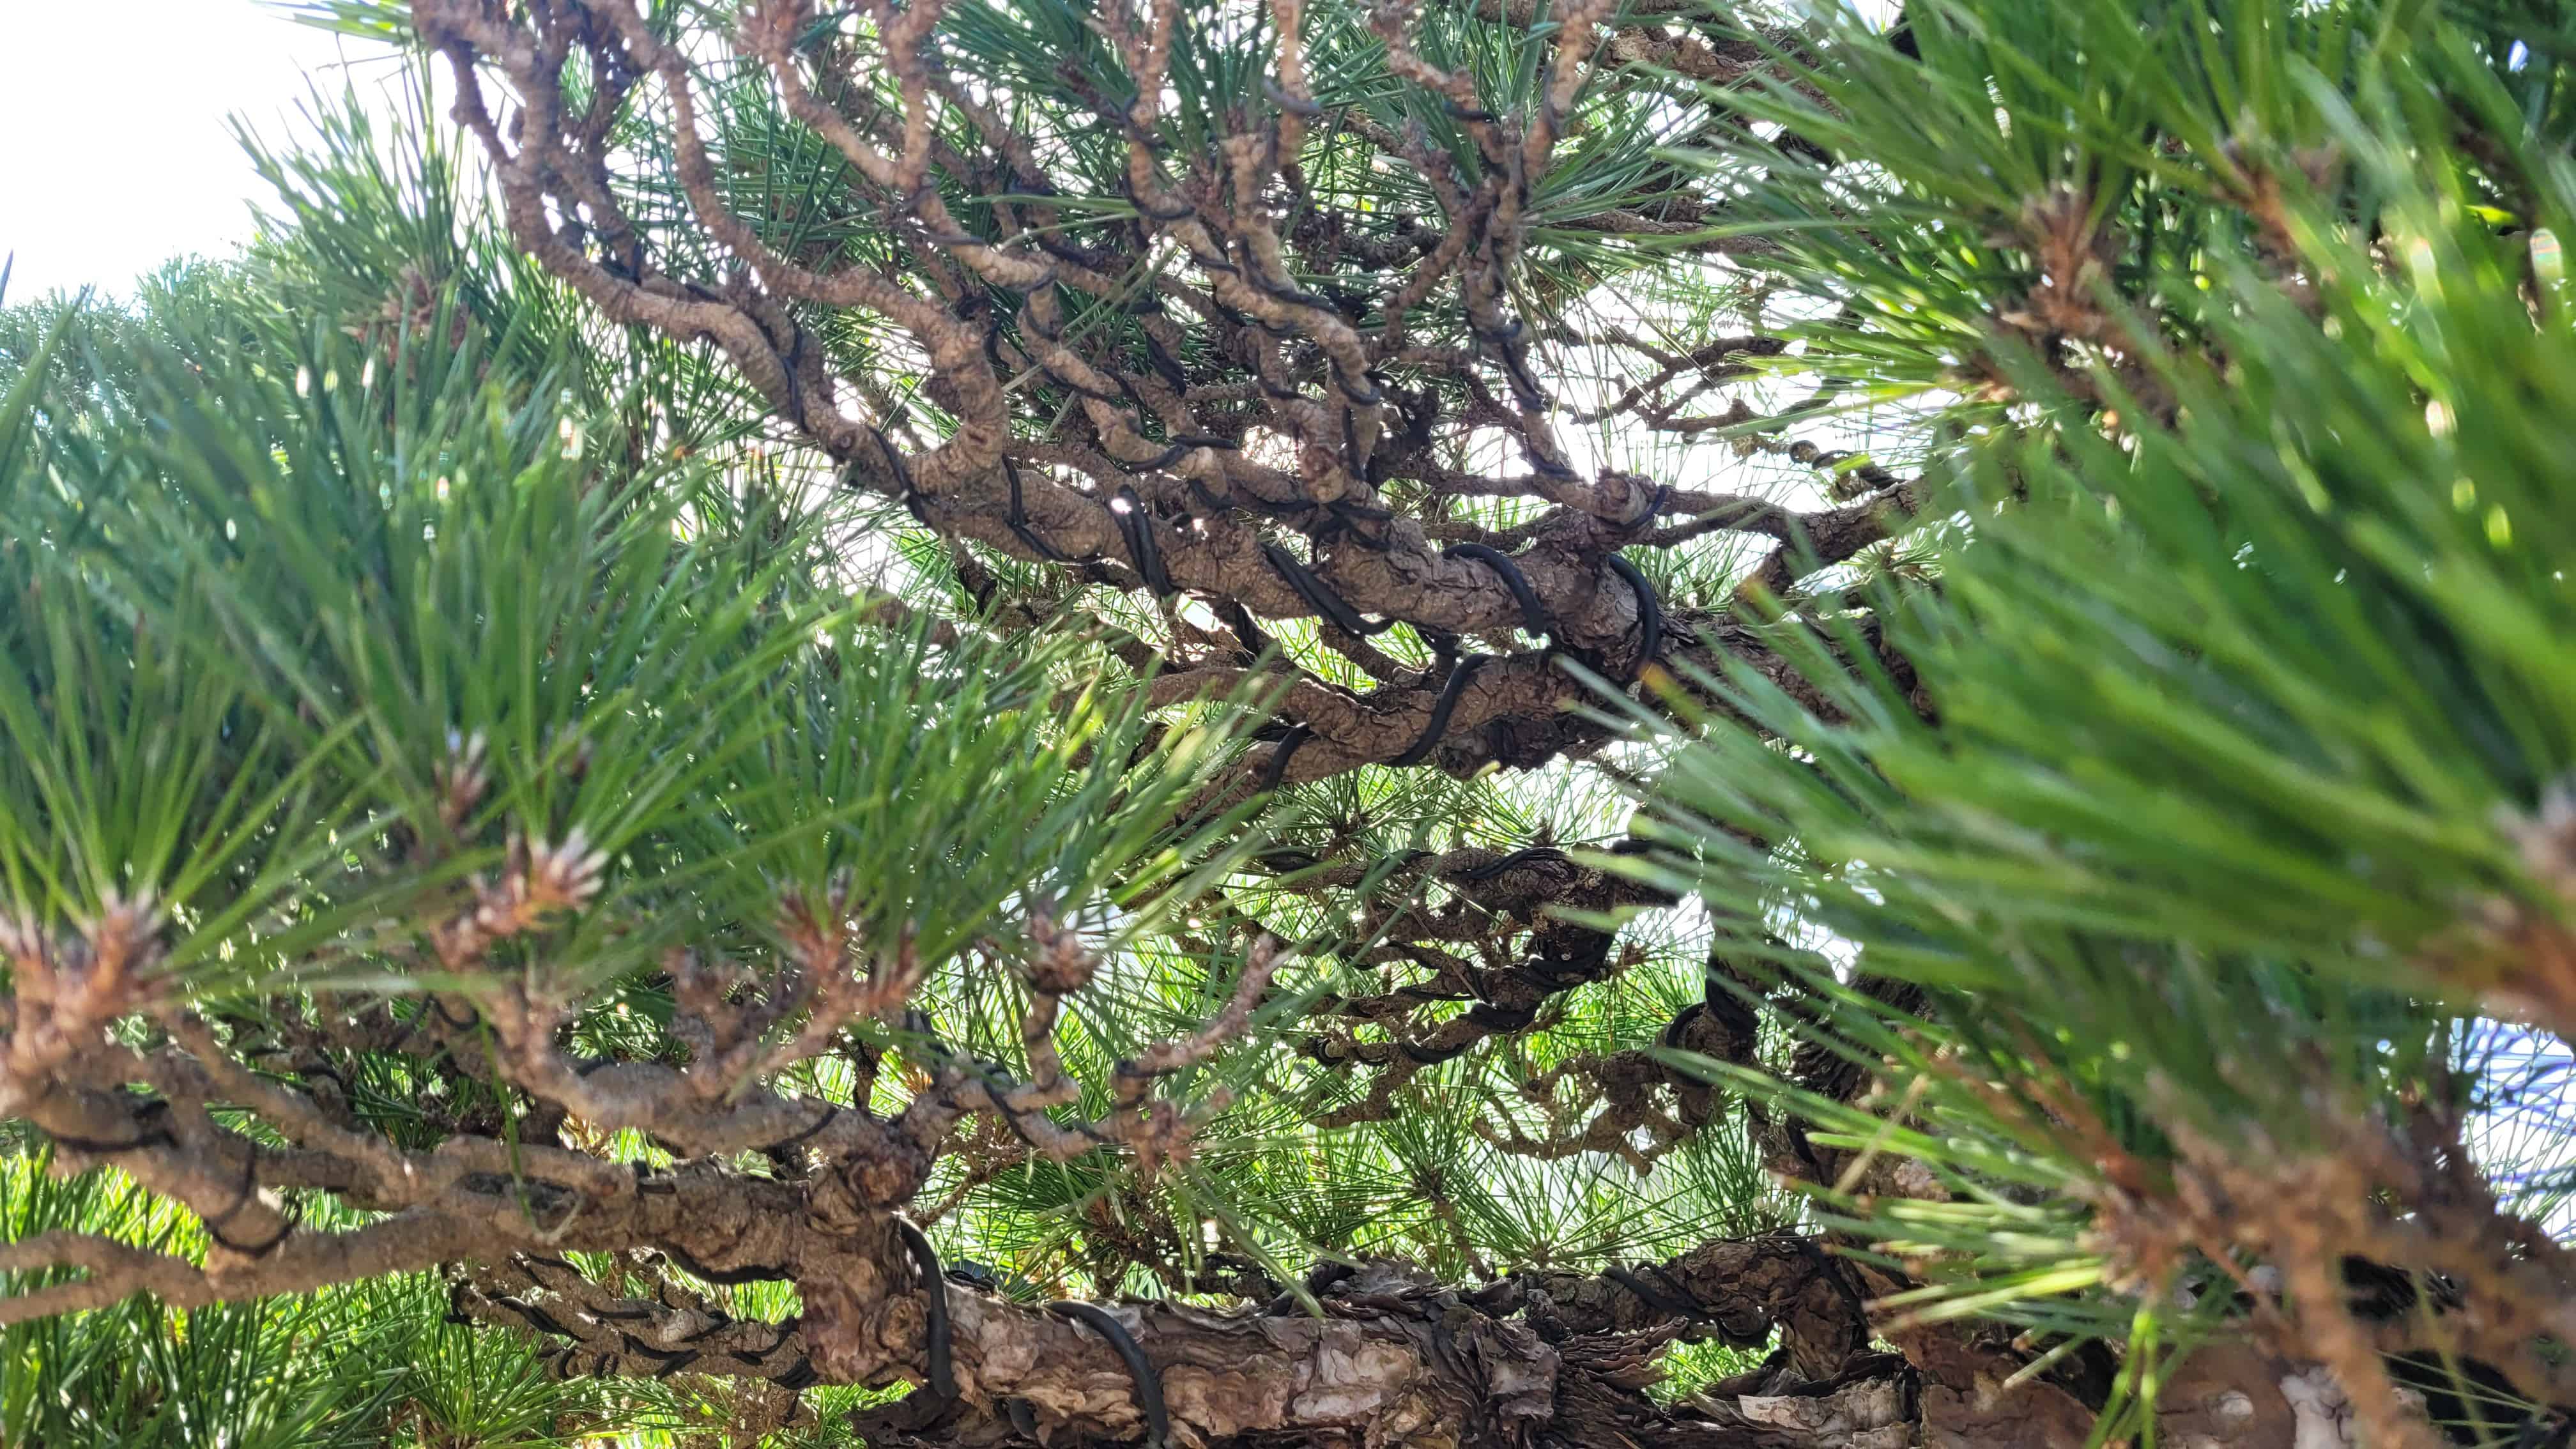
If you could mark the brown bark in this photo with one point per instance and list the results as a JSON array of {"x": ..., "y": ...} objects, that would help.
[
  {"x": 1277, "y": 453},
  {"x": 1241, "y": 358},
  {"x": 1386, "y": 1356}
]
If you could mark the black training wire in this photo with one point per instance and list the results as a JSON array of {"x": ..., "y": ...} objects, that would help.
[
  {"x": 1690, "y": 1310},
  {"x": 799, "y": 1375},
  {"x": 787, "y": 362},
  {"x": 1069, "y": 385},
  {"x": 1149, "y": 1385},
  {"x": 1527, "y": 392},
  {"x": 1319, "y": 596},
  {"x": 1533, "y": 613},
  {"x": 1323, "y": 601},
  {"x": 1430, "y": 1057},
  {"x": 1320, "y": 1280},
  {"x": 1368, "y": 399},
  {"x": 913, "y": 498},
  {"x": 259, "y": 1249},
  {"x": 1138, "y": 530},
  {"x": 248, "y": 1192},
  {"x": 919, "y": 1024},
  {"x": 830, "y": 1111},
  {"x": 934, "y": 1287},
  {"x": 1018, "y": 519},
  {"x": 535, "y": 1317},
  {"x": 1239, "y": 619},
  {"x": 1253, "y": 501},
  {"x": 1654, "y": 505},
  {"x": 1293, "y": 296},
  {"x": 1552, "y": 975},
  {"x": 1182, "y": 212},
  {"x": 1128, "y": 391},
  {"x": 1164, "y": 459},
  {"x": 1345, "y": 524},
  {"x": 719, "y": 1325},
  {"x": 1277, "y": 768},
  {"x": 1513, "y": 861},
  {"x": 894, "y": 460},
  {"x": 1165, "y": 366},
  {"x": 1827, "y": 1269},
  {"x": 729, "y": 1277},
  {"x": 1459, "y": 674},
  {"x": 1650, "y": 610},
  {"x": 1294, "y": 105},
  {"x": 1676, "y": 1286},
  {"x": 1064, "y": 252}
]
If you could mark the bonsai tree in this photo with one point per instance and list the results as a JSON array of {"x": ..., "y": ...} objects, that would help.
[{"x": 1002, "y": 723}]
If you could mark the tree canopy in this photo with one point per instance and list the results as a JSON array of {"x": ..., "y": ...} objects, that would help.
[{"x": 1032, "y": 722}]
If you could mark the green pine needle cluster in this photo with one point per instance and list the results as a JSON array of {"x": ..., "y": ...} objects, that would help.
[{"x": 2231, "y": 772}]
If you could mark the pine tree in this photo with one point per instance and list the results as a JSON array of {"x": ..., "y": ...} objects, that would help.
[{"x": 1010, "y": 722}]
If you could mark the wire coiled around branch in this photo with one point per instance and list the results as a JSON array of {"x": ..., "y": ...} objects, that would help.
[
  {"x": 1460, "y": 673},
  {"x": 1319, "y": 596},
  {"x": 936, "y": 1326},
  {"x": 1149, "y": 1384},
  {"x": 1533, "y": 613}
]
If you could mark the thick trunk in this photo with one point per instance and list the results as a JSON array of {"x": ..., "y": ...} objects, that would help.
[
  {"x": 1395, "y": 1378},
  {"x": 1536, "y": 1361}
]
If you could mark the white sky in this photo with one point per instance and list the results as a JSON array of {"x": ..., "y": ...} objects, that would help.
[{"x": 114, "y": 153}]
